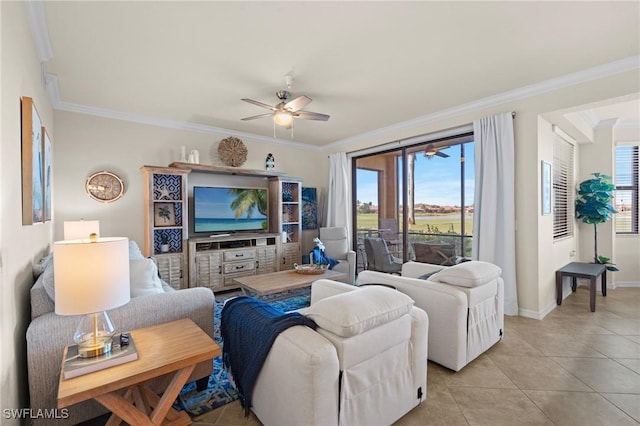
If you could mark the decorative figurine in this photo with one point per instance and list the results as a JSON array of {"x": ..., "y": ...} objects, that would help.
[{"x": 270, "y": 162}]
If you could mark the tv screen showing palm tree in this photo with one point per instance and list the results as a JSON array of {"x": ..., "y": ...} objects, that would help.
[{"x": 230, "y": 209}]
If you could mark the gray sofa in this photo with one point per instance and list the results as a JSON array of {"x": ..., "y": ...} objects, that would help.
[{"x": 48, "y": 334}]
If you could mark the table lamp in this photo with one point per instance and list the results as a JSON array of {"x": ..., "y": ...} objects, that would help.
[
  {"x": 81, "y": 229},
  {"x": 91, "y": 277}
]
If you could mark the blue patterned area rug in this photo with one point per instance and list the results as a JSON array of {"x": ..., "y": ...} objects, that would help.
[{"x": 220, "y": 391}]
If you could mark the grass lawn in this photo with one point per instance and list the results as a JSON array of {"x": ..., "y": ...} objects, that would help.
[{"x": 445, "y": 224}]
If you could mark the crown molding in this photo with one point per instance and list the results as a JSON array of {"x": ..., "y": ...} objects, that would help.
[
  {"x": 601, "y": 71},
  {"x": 628, "y": 124},
  {"x": 39, "y": 29},
  {"x": 60, "y": 105}
]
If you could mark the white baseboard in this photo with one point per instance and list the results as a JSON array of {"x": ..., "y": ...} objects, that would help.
[{"x": 538, "y": 315}]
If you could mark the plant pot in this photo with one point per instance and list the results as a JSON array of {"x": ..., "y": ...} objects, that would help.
[{"x": 164, "y": 248}]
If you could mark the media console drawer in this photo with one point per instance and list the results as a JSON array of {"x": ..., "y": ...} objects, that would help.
[
  {"x": 233, "y": 255},
  {"x": 230, "y": 268}
]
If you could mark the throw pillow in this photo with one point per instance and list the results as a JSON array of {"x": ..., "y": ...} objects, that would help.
[
  {"x": 355, "y": 312},
  {"x": 134, "y": 251},
  {"x": 39, "y": 267},
  {"x": 428, "y": 274},
  {"x": 143, "y": 274},
  {"x": 468, "y": 274}
]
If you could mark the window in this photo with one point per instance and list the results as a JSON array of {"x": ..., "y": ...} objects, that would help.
[
  {"x": 626, "y": 196},
  {"x": 563, "y": 192},
  {"x": 421, "y": 193}
]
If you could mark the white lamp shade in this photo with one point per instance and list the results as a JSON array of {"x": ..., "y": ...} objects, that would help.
[
  {"x": 81, "y": 229},
  {"x": 91, "y": 276}
]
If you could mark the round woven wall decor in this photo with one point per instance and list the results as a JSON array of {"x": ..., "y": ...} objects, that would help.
[{"x": 232, "y": 151}]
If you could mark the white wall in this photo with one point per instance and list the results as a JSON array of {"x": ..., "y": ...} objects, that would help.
[
  {"x": 85, "y": 144},
  {"x": 534, "y": 294},
  {"x": 552, "y": 254},
  {"x": 19, "y": 245}
]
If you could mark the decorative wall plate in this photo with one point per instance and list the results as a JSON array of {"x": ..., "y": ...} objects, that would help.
[
  {"x": 105, "y": 187},
  {"x": 232, "y": 151}
]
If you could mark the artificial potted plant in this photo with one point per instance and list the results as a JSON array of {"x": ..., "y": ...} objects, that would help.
[
  {"x": 164, "y": 243},
  {"x": 593, "y": 206}
]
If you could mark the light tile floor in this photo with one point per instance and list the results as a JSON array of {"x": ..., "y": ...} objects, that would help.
[{"x": 574, "y": 367}]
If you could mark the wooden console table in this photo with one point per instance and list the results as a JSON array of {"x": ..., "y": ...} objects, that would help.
[
  {"x": 173, "y": 347},
  {"x": 577, "y": 270}
]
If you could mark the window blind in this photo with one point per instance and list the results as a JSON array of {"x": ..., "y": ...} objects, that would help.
[
  {"x": 626, "y": 196},
  {"x": 563, "y": 192}
]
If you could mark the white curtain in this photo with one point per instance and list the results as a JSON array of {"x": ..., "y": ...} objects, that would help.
[
  {"x": 339, "y": 198},
  {"x": 494, "y": 205}
]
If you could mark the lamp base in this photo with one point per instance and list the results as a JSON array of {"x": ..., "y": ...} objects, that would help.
[
  {"x": 94, "y": 334},
  {"x": 91, "y": 348}
]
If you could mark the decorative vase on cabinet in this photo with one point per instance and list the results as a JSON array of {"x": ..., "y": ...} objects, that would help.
[{"x": 165, "y": 221}]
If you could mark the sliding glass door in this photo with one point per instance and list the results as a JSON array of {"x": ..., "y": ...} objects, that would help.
[{"x": 435, "y": 181}]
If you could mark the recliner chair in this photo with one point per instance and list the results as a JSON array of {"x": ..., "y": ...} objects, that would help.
[
  {"x": 465, "y": 304},
  {"x": 365, "y": 364},
  {"x": 336, "y": 246}
]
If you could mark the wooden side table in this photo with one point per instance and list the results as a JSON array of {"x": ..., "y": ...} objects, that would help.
[
  {"x": 577, "y": 270},
  {"x": 173, "y": 347}
]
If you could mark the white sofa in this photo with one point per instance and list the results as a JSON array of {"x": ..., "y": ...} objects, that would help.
[
  {"x": 465, "y": 304},
  {"x": 365, "y": 364}
]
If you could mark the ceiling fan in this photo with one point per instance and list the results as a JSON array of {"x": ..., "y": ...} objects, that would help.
[
  {"x": 431, "y": 150},
  {"x": 285, "y": 111}
]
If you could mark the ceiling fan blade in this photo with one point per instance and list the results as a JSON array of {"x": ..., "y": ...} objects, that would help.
[
  {"x": 308, "y": 115},
  {"x": 297, "y": 103},
  {"x": 253, "y": 117},
  {"x": 441, "y": 154},
  {"x": 260, "y": 104}
]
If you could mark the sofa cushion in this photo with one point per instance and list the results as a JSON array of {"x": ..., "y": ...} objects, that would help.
[
  {"x": 355, "y": 312},
  {"x": 468, "y": 274},
  {"x": 144, "y": 280}
]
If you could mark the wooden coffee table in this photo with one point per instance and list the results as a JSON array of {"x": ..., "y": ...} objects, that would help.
[
  {"x": 175, "y": 346},
  {"x": 277, "y": 282}
]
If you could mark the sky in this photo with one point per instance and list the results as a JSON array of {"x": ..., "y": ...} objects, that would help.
[{"x": 437, "y": 180}]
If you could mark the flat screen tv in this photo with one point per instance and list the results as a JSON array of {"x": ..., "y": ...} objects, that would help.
[{"x": 229, "y": 209}]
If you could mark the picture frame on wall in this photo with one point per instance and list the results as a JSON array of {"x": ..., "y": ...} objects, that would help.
[
  {"x": 164, "y": 214},
  {"x": 48, "y": 173},
  {"x": 309, "y": 208},
  {"x": 32, "y": 164},
  {"x": 545, "y": 173}
]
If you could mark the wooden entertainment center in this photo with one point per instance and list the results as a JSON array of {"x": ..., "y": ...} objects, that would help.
[{"x": 215, "y": 261}]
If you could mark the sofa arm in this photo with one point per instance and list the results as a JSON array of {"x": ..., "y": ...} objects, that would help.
[
  {"x": 48, "y": 334},
  {"x": 324, "y": 288},
  {"x": 351, "y": 258},
  {"x": 298, "y": 382}
]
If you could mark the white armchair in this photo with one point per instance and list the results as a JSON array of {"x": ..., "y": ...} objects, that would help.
[
  {"x": 465, "y": 304},
  {"x": 365, "y": 364},
  {"x": 336, "y": 246}
]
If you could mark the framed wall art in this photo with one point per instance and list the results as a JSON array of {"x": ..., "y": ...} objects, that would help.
[
  {"x": 545, "y": 173},
  {"x": 32, "y": 164},
  {"x": 309, "y": 208},
  {"x": 164, "y": 214},
  {"x": 48, "y": 173}
]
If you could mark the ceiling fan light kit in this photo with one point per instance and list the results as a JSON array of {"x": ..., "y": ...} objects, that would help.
[{"x": 284, "y": 112}]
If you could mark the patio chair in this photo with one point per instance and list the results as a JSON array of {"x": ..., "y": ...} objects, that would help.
[
  {"x": 379, "y": 258},
  {"x": 390, "y": 232}
]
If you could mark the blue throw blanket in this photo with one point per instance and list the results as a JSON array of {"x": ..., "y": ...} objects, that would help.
[
  {"x": 249, "y": 327},
  {"x": 319, "y": 257}
]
